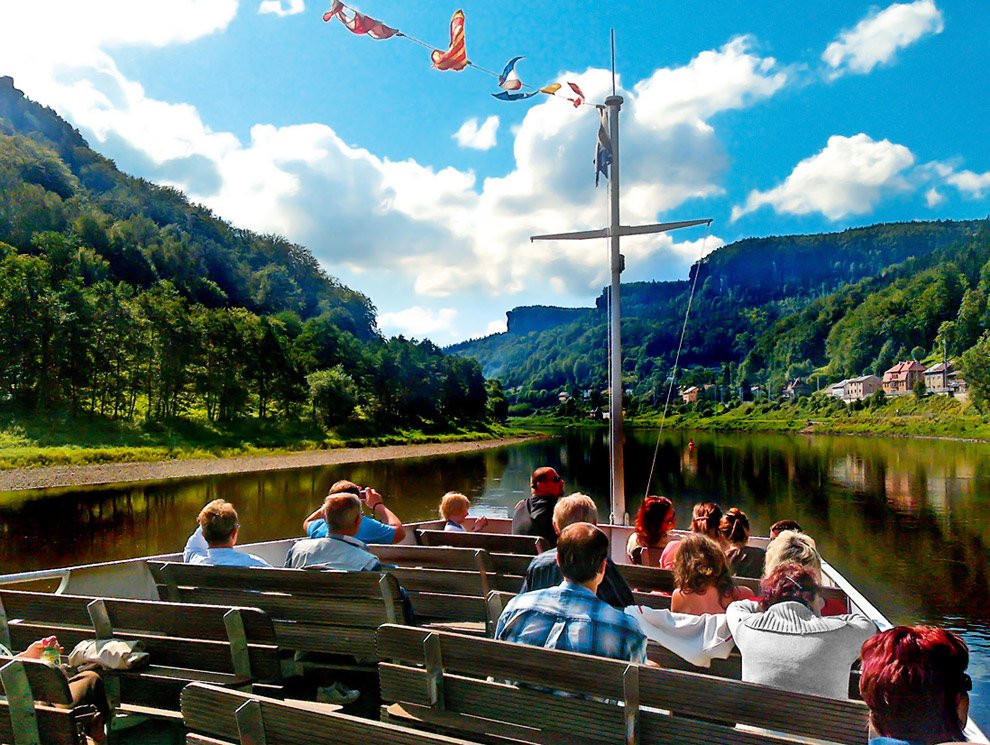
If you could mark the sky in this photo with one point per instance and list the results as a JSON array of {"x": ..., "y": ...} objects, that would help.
[{"x": 420, "y": 189}]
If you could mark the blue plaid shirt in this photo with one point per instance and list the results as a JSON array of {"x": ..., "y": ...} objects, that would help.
[{"x": 569, "y": 617}]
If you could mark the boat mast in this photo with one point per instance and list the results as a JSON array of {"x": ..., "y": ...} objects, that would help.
[{"x": 616, "y": 265}]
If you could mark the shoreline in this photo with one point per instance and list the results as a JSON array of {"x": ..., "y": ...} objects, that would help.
[{"x": 103, "y": 474}]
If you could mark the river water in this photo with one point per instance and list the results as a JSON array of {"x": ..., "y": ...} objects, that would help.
[{"x": 906, "y": 521}]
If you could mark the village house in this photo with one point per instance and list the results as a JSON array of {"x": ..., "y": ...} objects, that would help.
[
  {"x": 795, "y": 389},
  {"x": 690, "y": 395},
  {"x": 945, "y": 379},
  {"x": 862, "y": 387},
  {"x": 902, "y": 378},
  {"x": 838, "y": 390}
]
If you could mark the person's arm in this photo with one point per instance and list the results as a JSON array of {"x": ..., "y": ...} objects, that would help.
[
  {"x": 317, "y": 515},
  {"x": 385, "y": 515},
  {"x": 480, "y": 523},
  {"x": 195, "y": 546}
]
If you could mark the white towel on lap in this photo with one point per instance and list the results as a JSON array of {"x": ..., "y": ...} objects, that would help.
[{"x": 697, "y": 639}]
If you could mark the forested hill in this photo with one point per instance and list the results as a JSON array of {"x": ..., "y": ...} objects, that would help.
[
  {"x": 765, "y": 309},
  {"x": 119, "y": 298}
]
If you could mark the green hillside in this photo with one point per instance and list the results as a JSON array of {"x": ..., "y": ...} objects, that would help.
[
  {"x": 121, "y": 301},
  {"x": 766, "y": 310}
]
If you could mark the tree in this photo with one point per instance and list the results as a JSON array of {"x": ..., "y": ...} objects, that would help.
[
  {"x": 332, "y": 395},
  {"x": 975, "y": 367},
  {"x": 878, "y": 399},
  {"x": 920, "y": 389}
]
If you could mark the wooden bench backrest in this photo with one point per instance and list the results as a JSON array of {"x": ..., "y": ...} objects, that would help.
[
  {"x": 174, "y": 634},
  {"x": 445, "y": 674},
  {"x": 495, "y": 543},
  {"x": 214, "y": 712},
  {"x": 313, "y": 611},
  {"x": 54, "y": 725},
  {"x": 48, "y": 684}
]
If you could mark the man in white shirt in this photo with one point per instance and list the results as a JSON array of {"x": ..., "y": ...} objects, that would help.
[
  {"x": 213, "y": 541},
  {"x": 340, "y": 549}
]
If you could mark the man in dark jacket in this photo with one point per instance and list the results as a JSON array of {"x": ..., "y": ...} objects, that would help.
[
  {"x": 534, "y": 515},
  {"x": 544, "y": 570}
]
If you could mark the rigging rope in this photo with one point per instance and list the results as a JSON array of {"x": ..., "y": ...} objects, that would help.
[{"x": 677, "y": 358}]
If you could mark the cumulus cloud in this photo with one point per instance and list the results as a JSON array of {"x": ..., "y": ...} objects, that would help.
[
  {"x": 848, "y": 177},
  {"x": 418, "y": 322},
  {"x": 875, "y": 39},
  {"x": 972, "y": 185},
  {"x": 282, "y": 8},
  {"x": 477, "y": 137},
  {"x": 496, "y": 327},
  {"x": 933, "y": 198}
]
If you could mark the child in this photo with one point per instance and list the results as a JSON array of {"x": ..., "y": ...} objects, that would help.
[{"x": 454, "y": 509}]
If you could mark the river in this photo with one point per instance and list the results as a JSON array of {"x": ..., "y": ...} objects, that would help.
[{"x": 907, "y": 521}]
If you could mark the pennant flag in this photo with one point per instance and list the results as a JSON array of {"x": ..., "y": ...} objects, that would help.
[
  {"x": 506, "y": 96},
  {"x": 550, "y": 89},
  {"x": 455, "y": 58},
  {"x": 580, "y": 95},
  {"x": 358, "y": 23},
  {"x": 508, "y": 80},
  {"x": 603, "y": 149}
]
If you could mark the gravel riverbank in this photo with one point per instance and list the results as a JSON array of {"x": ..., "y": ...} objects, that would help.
[{"x": 54, "y": 477}]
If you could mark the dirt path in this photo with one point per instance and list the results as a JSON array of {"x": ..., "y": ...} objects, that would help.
[{"x": 53, "y": 477}]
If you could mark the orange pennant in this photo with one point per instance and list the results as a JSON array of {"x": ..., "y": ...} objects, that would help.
[{"x": 454, "y": 58}]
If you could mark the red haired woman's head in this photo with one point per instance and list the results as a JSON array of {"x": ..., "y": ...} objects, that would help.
[
  {"x": 914, "y": 680},
  {"x": 705, "y": 519},
  {"x": 789, "y": 582},
  {"x": 654, "y": 519}
]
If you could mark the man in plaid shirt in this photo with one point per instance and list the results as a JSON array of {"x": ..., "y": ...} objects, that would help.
[{"x": 569, "y": 616}]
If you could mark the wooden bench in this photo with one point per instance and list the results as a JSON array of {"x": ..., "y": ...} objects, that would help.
[
  {"x": 37, "y": 703},
  {"x": 316, "y": 613},
  {"x": 217, "y": 715},
  {"x": 494, "y": 543},
  {"x": 454, "y": 683},
  {"x": 216, "y": 644}
]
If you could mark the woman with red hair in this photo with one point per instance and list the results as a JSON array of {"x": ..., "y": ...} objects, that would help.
[
  {"x": 654, "y": 521},
  {"x": 786, "y": 643},
  {"x": 914, "y": 681}
]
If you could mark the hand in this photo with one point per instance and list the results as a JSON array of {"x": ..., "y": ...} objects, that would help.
[
  {"x": 481, "y": 523},
  {"x": 33, "y": 652},
  {"x": 372, "y": 499}
]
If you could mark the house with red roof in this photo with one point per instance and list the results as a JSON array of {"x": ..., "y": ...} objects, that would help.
[{"x": 902, "y": 378}]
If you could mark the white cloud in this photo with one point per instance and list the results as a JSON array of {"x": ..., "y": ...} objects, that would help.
[
  {"x": 876, "y": 38},
  {"x": 849, "y": 177},
  {"x": 282, "y": 8},
  {"x": 418, "y": 322},
  {"x": 496, "y": 327},
  {"x": 973, "y": 185},
  {"x": 933, "y": 198},
  {"x": 475, "y": 137}
]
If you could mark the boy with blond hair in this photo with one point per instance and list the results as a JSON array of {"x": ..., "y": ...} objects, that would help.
[{"x": 454, "y": 508}]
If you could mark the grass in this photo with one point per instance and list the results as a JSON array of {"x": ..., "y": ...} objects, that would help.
[{"x": 37, "y": 441}]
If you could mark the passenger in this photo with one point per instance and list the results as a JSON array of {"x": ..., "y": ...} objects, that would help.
[
  {"x": 745, "y": 560},
  {"x": 654, "y": 521},
  {"x": 705, "y": 519},
  {"x": 544, "y": 572},
  {"x": 340, "y": 549},
  {"x": 534, "y": 515},
  {"x": 569, "y": 616},
  {"x": 213, "y": 540},
  {"x": 454, "y": 509},
  {"x": 781, "y": 525},
  {"x": 702, "y": 578},
  {"x": 914, "y": 681},
  {"x": 784, "y": 641},
  {"x": 372, "y": 530},
  {"x": 791, "y": 546}
]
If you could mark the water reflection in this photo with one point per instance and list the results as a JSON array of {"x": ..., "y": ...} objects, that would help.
[{"x": 905, "y": 520}]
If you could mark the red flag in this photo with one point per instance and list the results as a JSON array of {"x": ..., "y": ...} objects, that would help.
[
  {"x": 454, "y": 58},
  {"x": 358, "y": 23}
]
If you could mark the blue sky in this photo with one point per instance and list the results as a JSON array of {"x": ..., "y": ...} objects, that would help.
[{"x": 418, "y": 188}]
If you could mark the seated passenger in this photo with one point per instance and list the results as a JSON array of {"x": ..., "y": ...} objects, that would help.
[
  {"x": 914, "y": 681},
  {"x": 534, "y": 515},
  {"x": 705, "y": 519},
  {"x": 745, "y": 560},
  {"x": 372, "y": 530},
  {"x": 654, "y": 520},
  {"x": 213, "y": 541},
  {"x": 454, "y": 508},
  {"x": 544, "y": 571},
  {"x": 340, "y": 549},
  {"x": 792, "y": 546},
  {"x": 781, "y": 525},
  {"x": 702, "y": 578},
  {"x": 784, "y": 641},
  {"x": 569, "y": 616}
]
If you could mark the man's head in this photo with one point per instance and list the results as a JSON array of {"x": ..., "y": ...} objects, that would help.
[
  {"x": 581, "y": 552},
  {"x": 575, "y": 508},
  {"x": 342, "y": 513},
  {"x": 219, "y": 523},
  {"x": 345, "y": 487},
  {"x": 546, "y": 482},
  {"x": 781, "y": 525}
]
